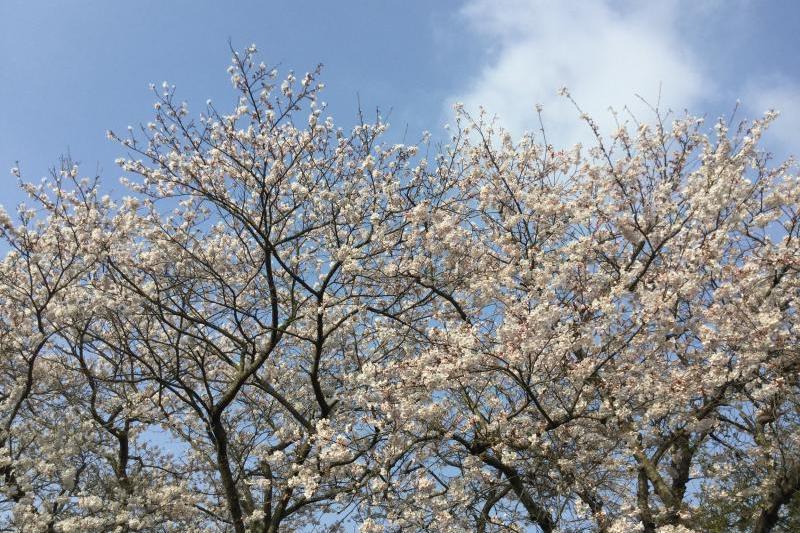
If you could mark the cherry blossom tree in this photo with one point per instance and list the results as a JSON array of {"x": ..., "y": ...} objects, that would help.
[
  {"x": 72, "y": 459},
  {"x": 616, "y": 333},
  {"x": 283, "y": 325}
]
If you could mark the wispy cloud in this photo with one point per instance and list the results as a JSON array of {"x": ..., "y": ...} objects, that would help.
[
  {"x": 783, "y": 95},
  {"x": 605, "y": 55}
]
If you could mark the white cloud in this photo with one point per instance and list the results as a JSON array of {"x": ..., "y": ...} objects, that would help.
[
  {"x": 604, "y": 55},
  {"x": 782, "y": 95}
]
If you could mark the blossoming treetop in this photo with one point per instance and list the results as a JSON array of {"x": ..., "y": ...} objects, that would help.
[{"x": 285, "y": 326}]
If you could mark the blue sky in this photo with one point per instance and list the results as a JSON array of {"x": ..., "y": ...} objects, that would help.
[{"x": 71, "y": 70}]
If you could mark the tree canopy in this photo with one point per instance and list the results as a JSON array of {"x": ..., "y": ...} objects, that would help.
[{"x": 286, "y": 326}]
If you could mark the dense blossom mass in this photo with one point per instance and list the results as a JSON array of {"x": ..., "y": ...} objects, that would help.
[{"x": 285, "y": 326}]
